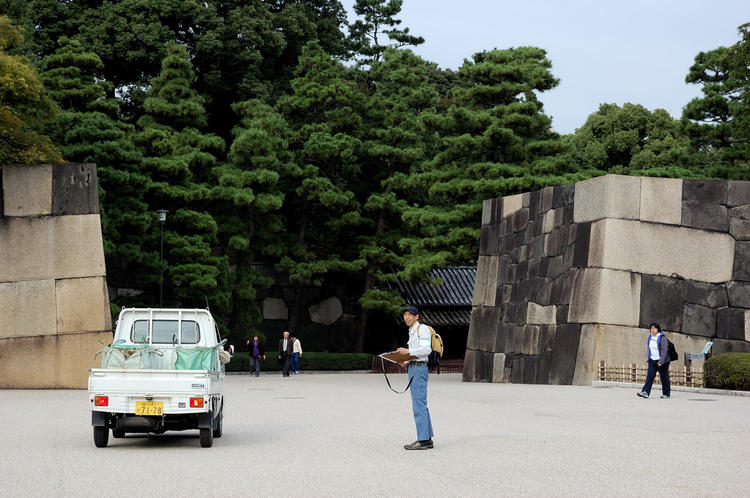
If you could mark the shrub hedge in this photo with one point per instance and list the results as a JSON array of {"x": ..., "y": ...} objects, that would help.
[
  {"x": 728, "y": 371},
  {"x": 309, "y": 361}
]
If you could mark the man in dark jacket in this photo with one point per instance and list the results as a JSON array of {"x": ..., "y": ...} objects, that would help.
[
  {"x": 285, "y": 353},
  {"x": 257, "y": 353},
  {"x": 658, "y": 361}
]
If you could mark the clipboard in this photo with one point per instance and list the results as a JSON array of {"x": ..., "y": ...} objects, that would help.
[{"x": 395, "y": 357}]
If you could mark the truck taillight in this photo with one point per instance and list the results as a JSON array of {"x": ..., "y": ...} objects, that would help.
[
  {"x": 101, "y": 400},
  {"x": 196, "y": 402}
]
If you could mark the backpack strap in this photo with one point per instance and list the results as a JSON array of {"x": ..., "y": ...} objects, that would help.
[{"x": 382, "y": 364}]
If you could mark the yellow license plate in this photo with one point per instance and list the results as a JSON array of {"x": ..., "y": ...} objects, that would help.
[{"x": 149, "y": 408}]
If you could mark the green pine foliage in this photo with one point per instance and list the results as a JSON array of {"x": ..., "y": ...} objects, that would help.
[
  {"x": 493, "y": 135},
  {"x": 87, "y": 130},
  {"x": 179, "y": 159},
  {"x": 718, "y": 123},
  {"x": 249, "y": 195}
]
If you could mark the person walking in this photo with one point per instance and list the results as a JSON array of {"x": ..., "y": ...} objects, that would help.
[
  {"x": 420, "y": 346},
  {"x": 658, "y": 361},
  {"x": 296, "y": 354},
  {"x": 256, "y": 354},
  {"x": 285, "y": 353}
]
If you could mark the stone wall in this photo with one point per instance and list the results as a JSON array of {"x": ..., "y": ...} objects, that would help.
[
  {"x": 53, "y": 292},
  {"x": 571, "y": 275}
]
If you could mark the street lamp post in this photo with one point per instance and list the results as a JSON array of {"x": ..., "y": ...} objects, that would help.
[{"x": 162, "y": 221}]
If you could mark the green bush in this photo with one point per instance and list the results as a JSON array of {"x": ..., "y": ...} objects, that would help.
[
  {"x": 309, "y": 361},
  {"x": 728, "y": 371}
]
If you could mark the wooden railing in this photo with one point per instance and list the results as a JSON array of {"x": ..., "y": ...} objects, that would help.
[{"x": 679, "y": 375}]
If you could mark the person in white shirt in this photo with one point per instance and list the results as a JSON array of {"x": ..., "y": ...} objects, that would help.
[
  {"x": 420, "y": 346},
  {"x": 296, "y": 354},
  {"x": 658, "y": 361}
]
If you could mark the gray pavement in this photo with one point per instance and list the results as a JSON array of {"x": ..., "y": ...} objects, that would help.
[{"x": 342, "y": 435}]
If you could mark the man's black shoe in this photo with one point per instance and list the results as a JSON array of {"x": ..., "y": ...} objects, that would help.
[{"x": 419, "y": 445}]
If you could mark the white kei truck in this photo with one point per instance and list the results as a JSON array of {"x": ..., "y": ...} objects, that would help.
[{"x": 162, "y": 372}]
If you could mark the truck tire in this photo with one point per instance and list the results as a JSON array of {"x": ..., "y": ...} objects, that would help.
[
  {"x": 207, "y": 437},
  {"x": 101, "y": 436},
  {"x": 219, "y": 424}
]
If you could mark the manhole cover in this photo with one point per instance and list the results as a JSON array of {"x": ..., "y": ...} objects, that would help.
[{"x": 700, "y": 399}]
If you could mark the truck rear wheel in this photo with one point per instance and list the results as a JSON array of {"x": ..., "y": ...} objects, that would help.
[
  {"x": 207, "y": 437},
  {"x": 101, "y": 436}
]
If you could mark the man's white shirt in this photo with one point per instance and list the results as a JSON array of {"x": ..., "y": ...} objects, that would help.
[{"x": 420, "y": 341}]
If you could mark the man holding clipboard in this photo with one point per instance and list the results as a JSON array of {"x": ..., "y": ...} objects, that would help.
[{"x": 420, "y": 347}]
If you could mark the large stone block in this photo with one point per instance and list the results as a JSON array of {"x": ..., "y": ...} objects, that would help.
[
  {"x": 739, "y": 294},
  {"x": 27, "y": 308},
  {"x": 722, "y": 346},
  {"x": 662, "y": 250},
  {"x": 501, "y": 368},
  {"x": 621, "y": 346},
  {"x": 705, "y": 216},
  {"x": 661, "y": 302},
  {"x": 582, "y": 245},
  {"x": 50, "y": 361},
  {"x": 538, "y": 314},
  {"x": 488, "y": 277},
  {"x": 563, "y": 195},
  {"x": 711, "y": 295},
  {"x": 511, "y": 204},
  {"x": 483, "y": 328},
  {"x": 610, "y": 196},
  {"x": 564, "y": 351},
  {"x": 478, "y": 366},
  {"x": 661, "y": 200},
  {"x": 733, "y": 323},
  {"x": 79, "y": 250},
  {"x": 27, "y": 249},
  {"x": 705, "y": 191},
  {"x": 739, "y": 222},
  {"x": 601, "y": 295},
  {"x": 74, "y": 189},
  {"x": 741, "y": 269},
  {"x": 327, "y": 311},
  {"x": 275, "y": 309},
  {"x": 82, "y": 305},
  {"x": 738, "y": 193},
  {"x": 27, "y": 190},
  {"x": 698, "y": 320},
  {"x": 531, "y": 339}
]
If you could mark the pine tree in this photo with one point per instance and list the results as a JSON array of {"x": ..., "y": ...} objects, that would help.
[
  {"x": 494, "y": 136},
  {"x": 323, "y": 211},
  {"x": 376, "y": 30},
  {"x": 396, "y": 143},
  {"x": 180, "y": 159},
  {"x": 249, "y": 196},
  {"x": 87, "y": 129},
  {"x": 718, "y": 123}
]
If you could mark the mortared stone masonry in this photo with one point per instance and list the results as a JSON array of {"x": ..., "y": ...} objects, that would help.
[
  {"x": 54, "y": 307},
  {"x": 571, "y": 275}
]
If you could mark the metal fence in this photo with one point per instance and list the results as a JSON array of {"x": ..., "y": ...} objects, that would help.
[{"x": 678, "y": 375}]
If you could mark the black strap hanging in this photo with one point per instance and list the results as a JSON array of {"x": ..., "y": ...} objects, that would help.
[{"x": 382, "y": 363}]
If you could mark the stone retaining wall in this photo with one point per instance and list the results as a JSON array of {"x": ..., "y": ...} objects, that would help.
[
  {"x": 53, "y": 291},
  {"x": 571, "y": 275}
]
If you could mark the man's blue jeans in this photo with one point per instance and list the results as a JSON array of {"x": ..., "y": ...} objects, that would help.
[
  {"x": 418, "y": 377},
  {"x": 295, "y": 362}
]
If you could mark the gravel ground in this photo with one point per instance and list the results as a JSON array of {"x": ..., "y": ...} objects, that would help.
[{"x": 343, "y": 435}]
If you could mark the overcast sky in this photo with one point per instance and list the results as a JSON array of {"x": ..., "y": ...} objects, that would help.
[{"x": 602, "y": 51}]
